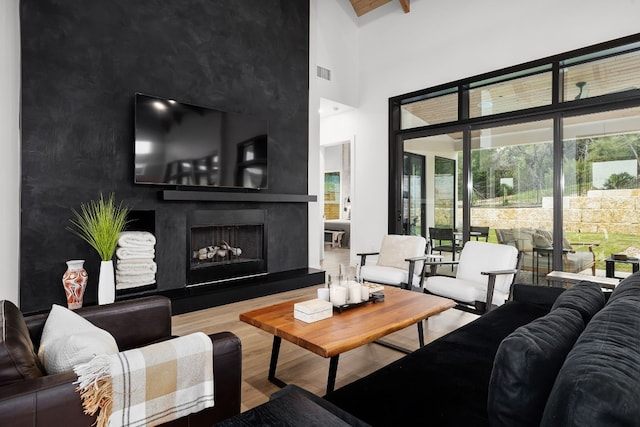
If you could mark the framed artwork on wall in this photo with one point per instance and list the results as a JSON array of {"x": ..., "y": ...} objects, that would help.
[{"x": 332, "y": 195}]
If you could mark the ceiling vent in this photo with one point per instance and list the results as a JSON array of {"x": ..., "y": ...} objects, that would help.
[{"x": 323, "y": 73}]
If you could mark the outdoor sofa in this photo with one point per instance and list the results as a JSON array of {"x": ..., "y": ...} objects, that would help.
[{"x": 536, "y": 245}]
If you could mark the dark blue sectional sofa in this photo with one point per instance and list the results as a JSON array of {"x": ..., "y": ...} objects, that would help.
[{"x": 550, "y": 357}]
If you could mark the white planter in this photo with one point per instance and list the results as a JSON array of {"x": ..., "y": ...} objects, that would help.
[{"x": 106, "y": 283}]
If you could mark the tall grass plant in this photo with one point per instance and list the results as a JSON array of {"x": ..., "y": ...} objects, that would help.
[{"x": 99, "y": 223}]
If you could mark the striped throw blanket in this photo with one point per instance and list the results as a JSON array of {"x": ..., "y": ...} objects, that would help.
[{"x": 149, "y": 385}]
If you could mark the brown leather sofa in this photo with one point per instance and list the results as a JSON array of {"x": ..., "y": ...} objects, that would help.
[{"x": 30, "y": 398}]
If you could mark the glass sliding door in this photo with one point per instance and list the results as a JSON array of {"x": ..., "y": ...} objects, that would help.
[
  {"x": 512, "y": 191},
  {"x": 601, "y": 164},
  {"x": 435, "y": 157},
  {"x": 413, "y": 195},
  {"x": 444, "y": 192}
]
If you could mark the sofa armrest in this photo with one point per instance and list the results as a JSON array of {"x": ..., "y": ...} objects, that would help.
[
  {"x": 433, "y": 265},
  {"x": 412, "y": 266},
  {"x": 589, "y": 244},
  {"x": 491, "y": 284},
  {"x": 293, "y": 389},
  {"x": 52, "y": 400},
  {"x": 227, "y": 377},
  {"x": 133, "y": 323},
  {"x": 46, "y": 401},
  {"x": 425, "y": 257},
  {"x": 363, "y": 257},
  {"x": 543, "y": 296}
]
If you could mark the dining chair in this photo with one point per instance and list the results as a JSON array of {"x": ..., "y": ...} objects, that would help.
[{"x": 478, "y": 232}]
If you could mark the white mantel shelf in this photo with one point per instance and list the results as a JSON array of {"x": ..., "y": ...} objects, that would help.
[{"x": 228, "y": 196}]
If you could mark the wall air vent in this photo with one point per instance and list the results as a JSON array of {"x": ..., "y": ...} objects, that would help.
[{"x": 323, "y": 73}]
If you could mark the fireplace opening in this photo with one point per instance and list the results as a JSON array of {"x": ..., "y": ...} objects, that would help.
[{"x": 225, "y": 245}]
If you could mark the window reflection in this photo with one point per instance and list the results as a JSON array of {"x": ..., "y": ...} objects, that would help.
[
  {"x": 601, "y": 76},
  {"x": 439, "y": 107},
  {"x": 511, "y": 94}
]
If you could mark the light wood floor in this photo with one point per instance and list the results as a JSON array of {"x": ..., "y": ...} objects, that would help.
[{"x": 296, "y": 365}]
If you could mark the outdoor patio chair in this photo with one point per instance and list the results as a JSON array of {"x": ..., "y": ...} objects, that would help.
[
  {"x": 443, "y": 240},
  {"x": 536, "y": 247},
  {"x": 480, "y": 233}
]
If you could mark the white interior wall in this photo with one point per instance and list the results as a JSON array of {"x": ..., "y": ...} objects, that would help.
[
  {"x": 315, "y": 165},
  {"x": 338, "y": 128},
  {"x": 333, "y": 158},
  {"x": 337, "y": 50},
  {"x": 10, "y": 137},
  {"x": 446, "y": 40}
]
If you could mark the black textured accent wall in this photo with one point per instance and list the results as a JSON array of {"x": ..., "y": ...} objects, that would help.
[{"x": 82, "y": 62}]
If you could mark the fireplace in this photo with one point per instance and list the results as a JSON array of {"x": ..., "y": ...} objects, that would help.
[{"x": 225, "y": 245}]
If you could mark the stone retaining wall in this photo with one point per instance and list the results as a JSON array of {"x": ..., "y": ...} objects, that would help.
[{"x": 606, "y": 211}]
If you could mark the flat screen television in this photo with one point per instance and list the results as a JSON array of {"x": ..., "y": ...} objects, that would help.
[{"x": 180, "y": 144}]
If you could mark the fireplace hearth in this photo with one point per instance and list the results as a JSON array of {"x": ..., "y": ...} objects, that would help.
[{"x": 225, "y": 245}]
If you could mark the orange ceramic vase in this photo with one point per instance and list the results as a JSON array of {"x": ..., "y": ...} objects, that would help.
[{"x": 74, "y": 281}]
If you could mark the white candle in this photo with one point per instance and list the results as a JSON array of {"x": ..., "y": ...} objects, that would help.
[
  {"x": 338, "y": 295},
  {"x": 364, "y": 293},
  {"x": 323, "y": 294},
  {"x": 354, "y": 293}
]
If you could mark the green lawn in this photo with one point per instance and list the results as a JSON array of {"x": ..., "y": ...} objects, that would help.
[{"x": 609, "y": 244}]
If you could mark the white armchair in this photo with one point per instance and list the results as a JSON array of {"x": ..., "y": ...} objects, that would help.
[
  {"x": 400, "y": 257},
  {"x": 483, "y": 279}
]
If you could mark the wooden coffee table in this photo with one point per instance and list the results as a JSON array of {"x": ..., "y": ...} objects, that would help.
[{"x": 347, "y": 330}]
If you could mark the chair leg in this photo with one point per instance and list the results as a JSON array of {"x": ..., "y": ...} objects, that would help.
[
  {"x": 412, "y": 266},
  {"x": 491, "y": 283},
  {"x": 481, "y": 307}
]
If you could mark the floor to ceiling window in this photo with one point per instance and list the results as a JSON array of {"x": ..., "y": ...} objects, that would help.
[
  {"x": 512, "y": 180},
  {"x": 546, "y": 155},
  {"x": 600, "y": 162}
]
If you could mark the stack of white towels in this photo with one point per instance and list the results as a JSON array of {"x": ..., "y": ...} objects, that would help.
[{"x": 134, "y": 259}]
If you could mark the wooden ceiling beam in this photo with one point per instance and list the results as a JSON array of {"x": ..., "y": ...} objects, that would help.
[
  {"x": 406, "y": 5},
  {"x": 363, "y": 6}
]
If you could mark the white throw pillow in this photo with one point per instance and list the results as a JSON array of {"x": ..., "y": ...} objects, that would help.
[
  {"x": 69, "y": 339},
  {"x": 396, "y": 248}
]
